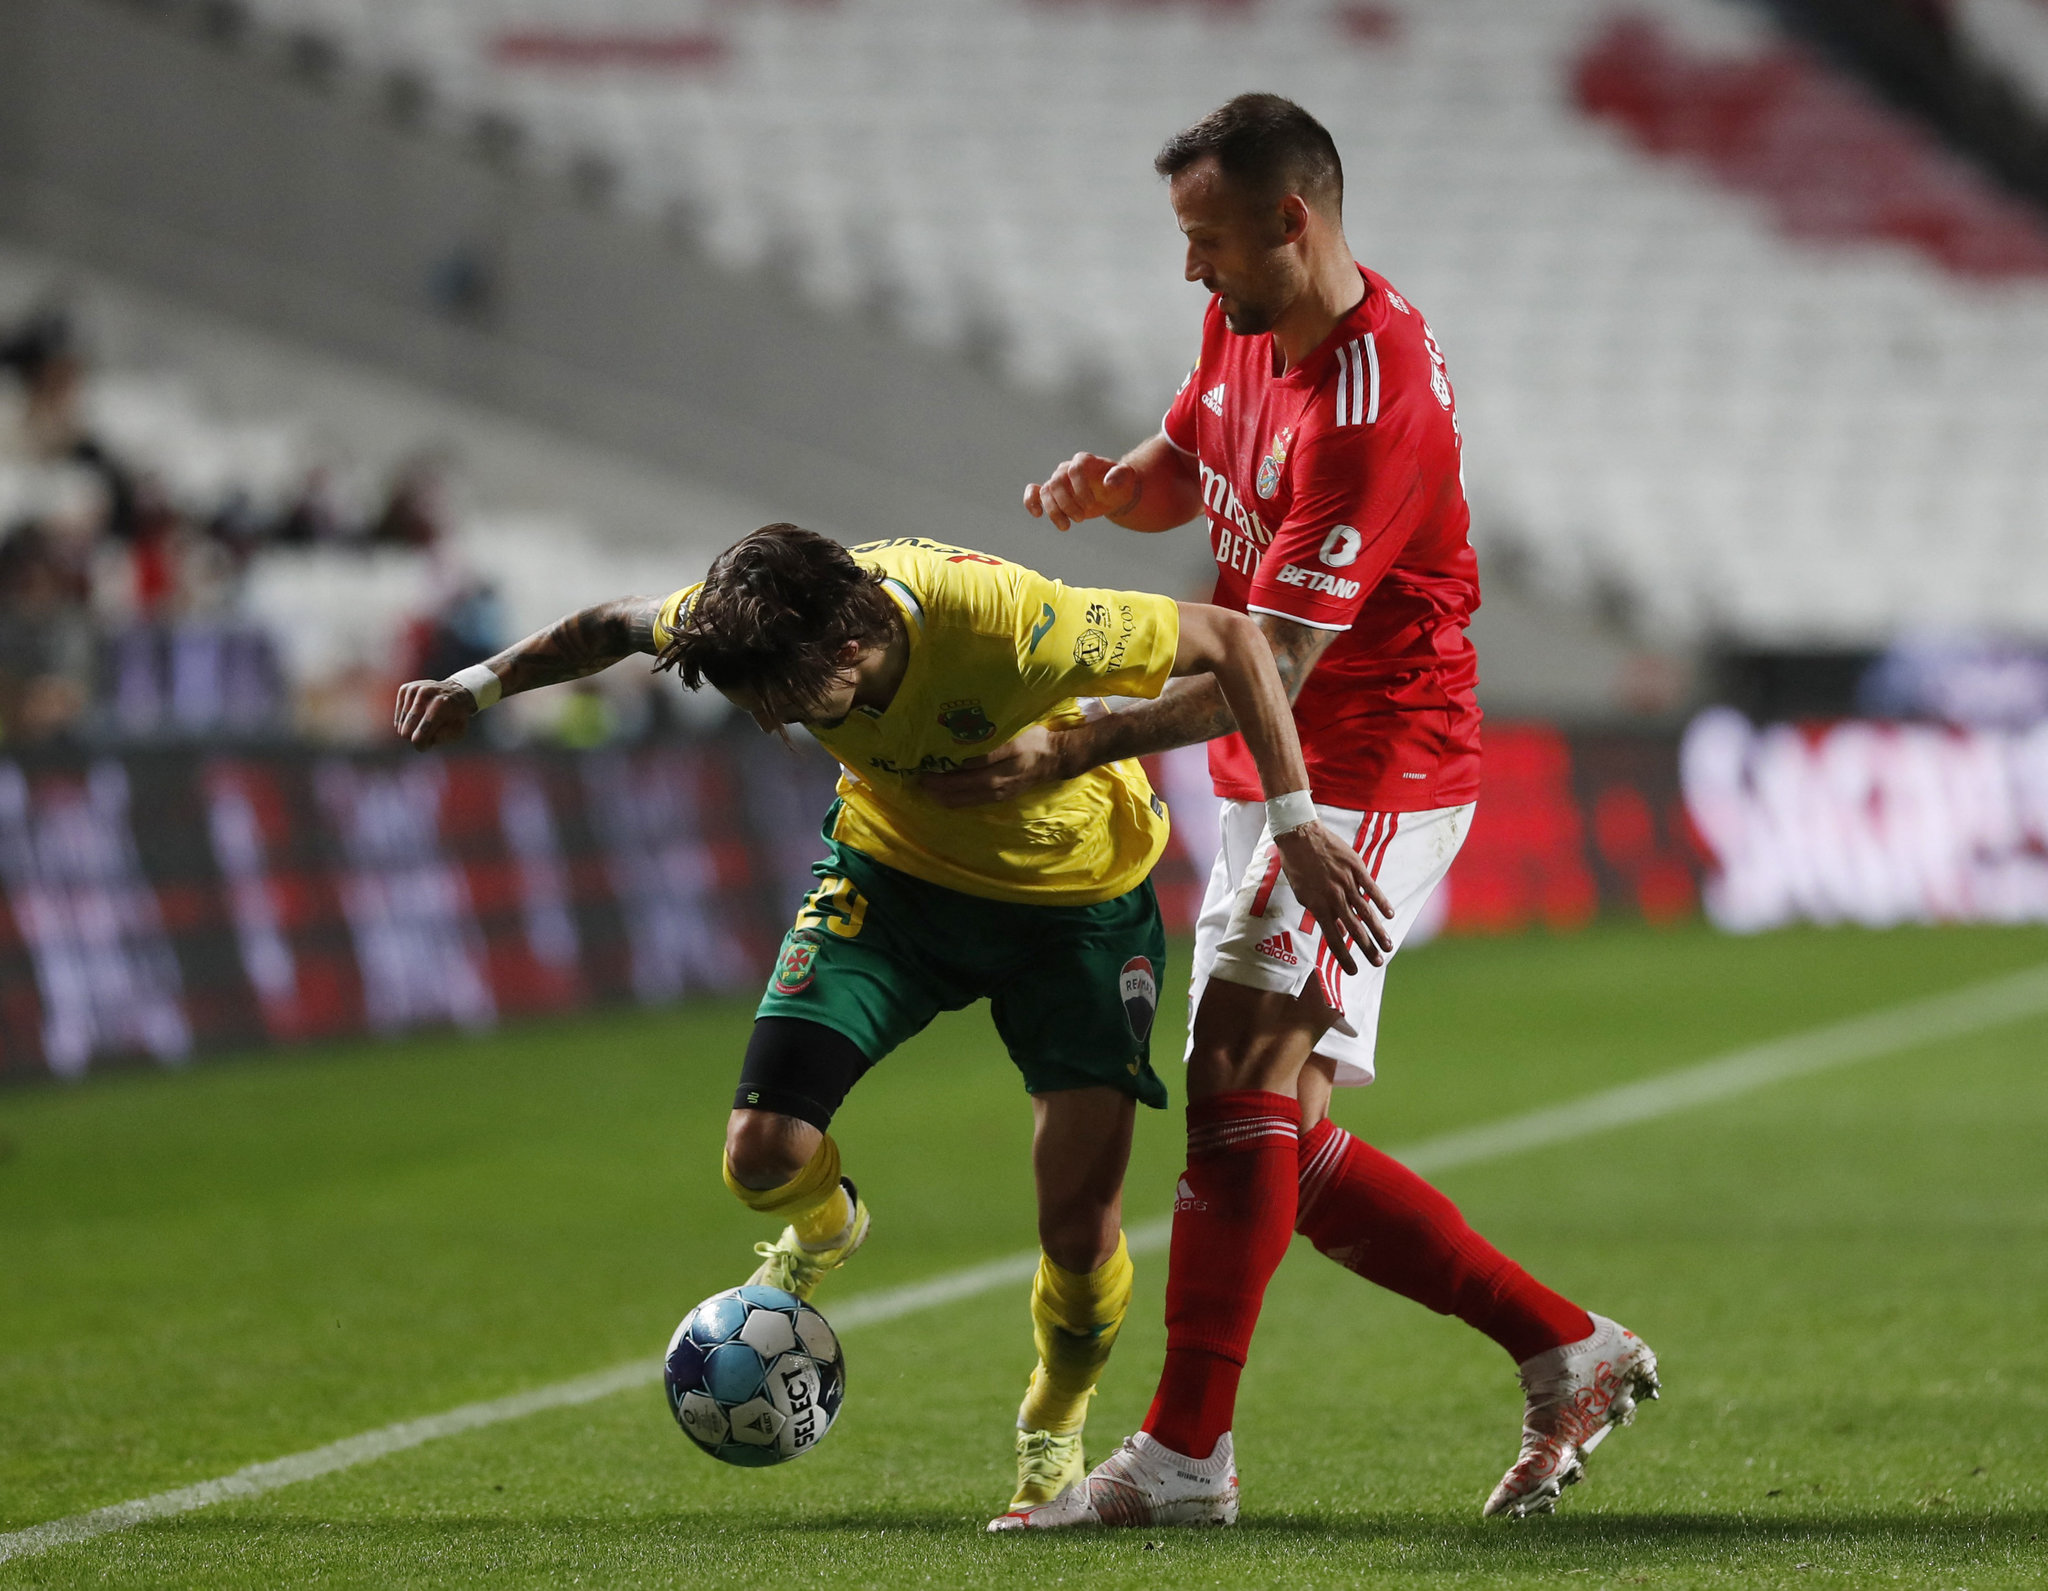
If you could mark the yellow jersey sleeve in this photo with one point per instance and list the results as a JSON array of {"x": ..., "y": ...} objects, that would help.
[
  {"x": 670, "y": 618},
  {"x": 1086, "y": 641}
]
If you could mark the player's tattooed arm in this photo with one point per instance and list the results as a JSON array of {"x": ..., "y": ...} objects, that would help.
[
  {"x": 1188, "y": 712},
  {"x": 431, "y": 712},
  {"x": 1297, "y": 648},
  {"x": 583, "y": 643}
]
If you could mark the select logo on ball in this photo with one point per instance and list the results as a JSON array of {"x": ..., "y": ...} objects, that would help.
[
  {"x": 754, "y": 1376},
  {"x": 1140, "y": 992}
]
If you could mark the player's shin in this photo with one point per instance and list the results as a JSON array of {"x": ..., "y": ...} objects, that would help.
[
  {"x": 1231, "y": 1224},
  {"x": 1375, "y": 1217},
  {"x": 1075, "y": 1318}
]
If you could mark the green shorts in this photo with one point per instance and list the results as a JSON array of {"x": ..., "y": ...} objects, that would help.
[{"x": 876, "y": 954}]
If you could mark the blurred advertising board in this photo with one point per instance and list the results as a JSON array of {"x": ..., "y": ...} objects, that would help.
[
  {"x": 166, "y": 904},
  {"x": 1868, "y": 823},
  {"x": 163, "y": 904}
]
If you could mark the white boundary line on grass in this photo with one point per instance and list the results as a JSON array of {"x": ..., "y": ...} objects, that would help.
[{"x": 1887, "y": 1032}]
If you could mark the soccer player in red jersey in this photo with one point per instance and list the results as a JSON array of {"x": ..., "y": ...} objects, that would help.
[{"x": 1318, "y": 437}]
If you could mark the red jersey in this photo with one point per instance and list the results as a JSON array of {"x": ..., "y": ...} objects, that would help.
[{"x": 1335, "y": 497}]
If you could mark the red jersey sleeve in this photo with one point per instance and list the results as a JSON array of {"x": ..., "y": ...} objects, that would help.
[
  {"x": 1179, "y": 424},
  {"x": 1182, "y": 423},
  {"x": 1350, "y": 517}
]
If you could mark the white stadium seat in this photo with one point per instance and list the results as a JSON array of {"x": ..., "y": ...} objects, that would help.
[{"x": 1666, "y": 395}]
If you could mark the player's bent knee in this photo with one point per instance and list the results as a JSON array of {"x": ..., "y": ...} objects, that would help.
[{"x": 765, "y": 1149}]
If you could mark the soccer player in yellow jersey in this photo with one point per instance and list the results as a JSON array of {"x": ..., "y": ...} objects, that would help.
[{"x": 907, "y": 657}]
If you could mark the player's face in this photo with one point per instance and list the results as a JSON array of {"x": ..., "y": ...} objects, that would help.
[
  {"x": 1238, "y": 249},
  {"x": 773, "y": 716}
]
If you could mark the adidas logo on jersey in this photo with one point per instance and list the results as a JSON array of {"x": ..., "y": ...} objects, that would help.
[
  {"x": 1279, "y": 948},
  {"x": 1212, "y": 400}
]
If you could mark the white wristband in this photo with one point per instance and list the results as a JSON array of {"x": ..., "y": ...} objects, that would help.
[
  {"x": 1294, "y": 810},
  {"x": 483, "y": 686}
]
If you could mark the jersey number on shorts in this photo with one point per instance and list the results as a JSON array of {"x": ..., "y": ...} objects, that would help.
[{"x": 835, "y": 906}]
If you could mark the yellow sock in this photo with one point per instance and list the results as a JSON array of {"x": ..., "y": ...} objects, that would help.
[
  {"x": 1075, "y": 1319},
  {"x": 813, "y": 1200}
]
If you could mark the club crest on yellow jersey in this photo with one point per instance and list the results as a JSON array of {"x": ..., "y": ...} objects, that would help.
[{"x": 966, "y": 720}]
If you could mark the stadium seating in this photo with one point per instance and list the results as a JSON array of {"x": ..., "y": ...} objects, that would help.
[
  {"x": 222, "y": 616},
  {"x": 1761, "y": 392}
]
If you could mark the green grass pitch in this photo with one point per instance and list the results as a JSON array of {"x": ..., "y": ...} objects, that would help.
[{"x": 1845, "y": 1276}]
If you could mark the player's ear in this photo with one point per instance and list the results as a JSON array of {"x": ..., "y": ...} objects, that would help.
[
  {"x": 1293, "y": 218},
  {"x": 848, "y": 654}
]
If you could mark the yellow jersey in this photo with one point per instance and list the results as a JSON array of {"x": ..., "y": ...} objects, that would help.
[{"x": 994, "y": 649}]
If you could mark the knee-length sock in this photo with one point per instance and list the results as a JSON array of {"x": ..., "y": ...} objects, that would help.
[
  {"x": 1232, "y": 1220},
  {"x": 1075, "y": 1318},
  {"x": 1374, "y": 1216}
]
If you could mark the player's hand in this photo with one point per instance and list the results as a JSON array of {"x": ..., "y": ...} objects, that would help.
[
  {"x": 1033, "y": 758},
  {"x": 1087, "y": 486},
  {"x": 1332, "y": 882},
  {"x": 431, "y": 712}
]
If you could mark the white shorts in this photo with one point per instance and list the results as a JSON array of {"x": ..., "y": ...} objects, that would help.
[{"x": 1254, "y": 931}]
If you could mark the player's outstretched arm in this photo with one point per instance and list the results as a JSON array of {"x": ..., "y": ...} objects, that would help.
[
  {"x": 1330, "y": 879},
  {"x": 1153, "y": 487},
  {"x": 431, "y": 712},
  {"x": 1188, "y": 712}
]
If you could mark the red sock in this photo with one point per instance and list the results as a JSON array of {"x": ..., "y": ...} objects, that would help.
[
  {"x": 1372, "y": 1215},
  {"x": 1231, "y": 1225}
]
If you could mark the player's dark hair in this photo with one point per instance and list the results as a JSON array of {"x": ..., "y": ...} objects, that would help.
[
  {"x": 773, "y": 615},
  {"x": 1267, "y": 146}
]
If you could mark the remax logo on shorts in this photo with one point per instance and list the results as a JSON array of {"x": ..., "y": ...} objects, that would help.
[{"x": 1140, "y": 992}]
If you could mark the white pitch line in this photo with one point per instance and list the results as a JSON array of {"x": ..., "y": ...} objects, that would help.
[{"x": 1863, "y": 1038}]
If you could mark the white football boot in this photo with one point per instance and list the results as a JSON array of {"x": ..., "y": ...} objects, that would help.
[
  {"x": 1576, "y": 1395},
  {"x": 1141, "y": 1483}
]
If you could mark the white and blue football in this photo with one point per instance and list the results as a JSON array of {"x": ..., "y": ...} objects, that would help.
[{"x": 754, "y": 1376}]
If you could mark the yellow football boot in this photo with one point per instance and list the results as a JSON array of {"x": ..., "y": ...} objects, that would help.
[
  {"x": 788, "y": 1264},
  {"x": 1047, "y": 1464}
]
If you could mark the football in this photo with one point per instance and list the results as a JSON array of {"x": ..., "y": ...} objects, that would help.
[{"x": 754, "y": 1376}]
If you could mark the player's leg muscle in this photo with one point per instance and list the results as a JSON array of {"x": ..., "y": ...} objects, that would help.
[
  {"x": 1080, "y": 1147},
  {"x": 1246, "y": 1038},
  {"x": 1313, "y": 1088}
]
